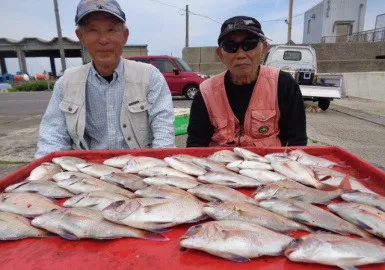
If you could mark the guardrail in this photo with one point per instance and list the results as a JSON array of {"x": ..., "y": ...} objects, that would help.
[{"x": 375, "y": 35}]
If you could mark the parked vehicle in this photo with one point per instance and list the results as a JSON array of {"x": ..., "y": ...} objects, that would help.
[
  {"x": 181, "y": 79},
  {"x": 301, "y": 63}
]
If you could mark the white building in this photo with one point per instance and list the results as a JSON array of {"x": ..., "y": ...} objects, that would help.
[{"x": 333, "y": 18}]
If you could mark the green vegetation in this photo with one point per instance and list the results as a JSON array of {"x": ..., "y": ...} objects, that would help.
[
  {"x": 3, "y": 162},
  {"x": 32, "y": 86}
]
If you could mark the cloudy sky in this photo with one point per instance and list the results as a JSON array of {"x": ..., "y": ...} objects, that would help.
[{"x": 159, "y": 24}]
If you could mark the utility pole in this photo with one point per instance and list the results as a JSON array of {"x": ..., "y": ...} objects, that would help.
[
  {"x": 290, "y": 20},
  {"x": 62, "y": 55},
  {"x": 187, "y": 27}
]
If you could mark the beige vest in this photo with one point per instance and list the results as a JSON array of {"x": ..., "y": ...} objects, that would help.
[
  {"x": 133, "y": 117},
  {"x": 260, "y": 128}
]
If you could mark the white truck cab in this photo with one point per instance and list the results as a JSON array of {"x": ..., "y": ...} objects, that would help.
[{"x": 301, "y": 63}]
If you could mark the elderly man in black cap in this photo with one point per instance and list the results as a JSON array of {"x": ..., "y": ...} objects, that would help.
[
  {"x": 110, "y": 103},
  {"x": 249, "y": 104}
]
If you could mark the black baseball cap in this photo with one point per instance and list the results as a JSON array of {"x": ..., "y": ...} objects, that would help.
[
  {"x": 241, "y": 23},
  {"x": 86, "y": 7}
]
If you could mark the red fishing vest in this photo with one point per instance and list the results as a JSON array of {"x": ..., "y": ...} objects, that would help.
[{"x": 260, "y": 127}]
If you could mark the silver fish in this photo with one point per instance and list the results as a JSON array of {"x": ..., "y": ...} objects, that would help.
[
  {"x": 288, "y": 189},
  {"x": 263, "y": 176},
  {"x": 65, "y": 175},
  {"x": 179, "y": 182},
  {"x": 45, "y": 171},
  {"x": 163, "y": 171},
  {"x": 125, "y": 180},
  {"x": 68, "y": 163},
  {"x": 46, "y": 188},
  {"x": 97, "y": 200},
  {"x": 26, "y": 204},
  {"x": 254, "y": 214},
  {"x": 337, "y": 250},
  {"x": 247, "y": 164},
  {"x": 119, "y": 161},
  {"x": 184, "y": 166},
  {"x": 235, "y": 240},
  {"x": 310, "y": 160},
  {"x": 224, "y": 156},
  {"x": 249, "y": 155},
  {"x": 366, "y": 217},
  {"x": 229, "y": 179},
  {"x": 79, "y": 185},
  {"x": 14, "y": 227},
  {"x": 280, "y": 157},
  {"x": 140, "y": 163},
  {"x": 217, "y": 193},
  {"x": 79, "y": 223},
  {"x": 296, "y": 171},
  {"x": 157, "y": 215},
  {"x": 210, "y": 165},
  {"x": 96, "y": 170},
  {"x": 184, "y": 157},
  {"x": 355, "y": 185},
  {"x": 374, "y": 200},
  {"x": 164, "y": 192},
  {"x": 309, "y": 214}
]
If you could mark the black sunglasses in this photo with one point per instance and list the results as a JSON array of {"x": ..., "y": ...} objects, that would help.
[{"x": 231, "y": 46}]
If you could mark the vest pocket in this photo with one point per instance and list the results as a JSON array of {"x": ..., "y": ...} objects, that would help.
[
  {"x": 68, "y": 107},
  {"x": 220, "y": 131},
  {"x": 139, "y": 119},
  {"x": 262, "y": 123}
]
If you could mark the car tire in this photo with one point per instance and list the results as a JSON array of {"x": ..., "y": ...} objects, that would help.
[
  {"x": 324, "y": 104},
  {"x": 190, "y": 91}
]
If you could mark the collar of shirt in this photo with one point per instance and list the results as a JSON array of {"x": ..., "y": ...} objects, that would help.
[{"x": 117, "y": 75}]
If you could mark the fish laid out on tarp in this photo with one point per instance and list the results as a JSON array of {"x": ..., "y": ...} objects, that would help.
[
  {"x": 174, "y": 181},
  {"x": 96, "y": 170},
  {"x": 137, "y": 164},
  {"x": 184, "y": 166},
  {"x": 79, "y": 185},
  {"x": 235, "y": 240},
  {"x": 119, "y": 161},
  {"x": 217, "y": 193},
  {"x": 263, "y": 176},
  {"x": 310, "y": 160},
  {"x": 309, "y": 214},
  {"x": 288, "y": 189},
  {"x": 79, "y": 223},
  {"x": 155, "y": 214},
  {"x": 26, "y": 204},
  {"x": 45, "y": 171},
  {"x": 366, "y": 217},
  {"x": 46, "y": 188},
  {"x": 249, "y": 155},
  {"x": 224, "y": 156},
  {"x": 247, "y": 164},
  {"x": 331, "y": 249},
  {"x": 251, "y": 213},
  {"x": 163, "y": 171},
  {"x": 68, "y": 163},
  {"x": 164, "y": 192},
  {"x": 65, "y": 175},
  {"x": 14, "y": 227},
  {"x": 229, "y": 179},
  {"x": 125, "y": 180},
  {"x": 210, "y": 165},
  {"x": 371, "y": 199},
  {"x": 97, "y": 200}
]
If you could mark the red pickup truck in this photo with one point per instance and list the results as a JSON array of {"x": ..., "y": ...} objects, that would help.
[{"x": 179, "y": 76}]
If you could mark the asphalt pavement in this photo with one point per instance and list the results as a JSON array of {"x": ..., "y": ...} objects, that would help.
[{"x": 19, "y": 127}]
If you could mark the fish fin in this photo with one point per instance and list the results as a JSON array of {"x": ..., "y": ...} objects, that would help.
[
  {"x": 300, "y": 220},
  {"x": 362, "y": 225},
  {"x": 68, "y": 235},
  {"x": 203, "y": 217},
  {"x": 154, "y": 236},
  {"x": 160, "y": 230},
  {"x": 345, "y": 184},
  {"x": 192, "y": 231},
  {"x": 326, "y": 187},
  {"x": 234, "y": 257}
]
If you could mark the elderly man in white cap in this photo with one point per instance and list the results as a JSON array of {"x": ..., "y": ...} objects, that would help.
[{"x": 110, "y": 103}]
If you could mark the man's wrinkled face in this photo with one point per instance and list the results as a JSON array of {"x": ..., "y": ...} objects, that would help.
[
  {"x": 104, "y": 36},
  {"x": 241, "y": 53}
]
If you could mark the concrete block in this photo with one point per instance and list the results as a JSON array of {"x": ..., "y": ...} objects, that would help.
[
  {"x": 212, "y": 68},
  {"x": 192, "y": 55},
  {"x": 338, "y": 66},
  {"x": 368, "y": 85},
  {"x": 209, "y": 55}
]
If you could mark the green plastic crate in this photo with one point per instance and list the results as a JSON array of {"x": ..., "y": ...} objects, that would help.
[{"x": 181, "y": 123}]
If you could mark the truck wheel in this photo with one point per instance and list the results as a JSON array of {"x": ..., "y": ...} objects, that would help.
[
  {"x": 324, "y": 104},
  {"x": 190, "y": 91}
]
